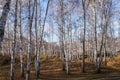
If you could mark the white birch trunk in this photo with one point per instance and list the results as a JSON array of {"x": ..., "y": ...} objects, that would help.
[
  {"x": 30, "y": 21},
  {"x": 62, "y": 36},
  {"x": 21, "y": 45},
  {"x": 68, "y": 54},
  {"x": 29, "y": 43},
  {"x": 37, "y": 63},
  {"x": 14, "y": 43}
]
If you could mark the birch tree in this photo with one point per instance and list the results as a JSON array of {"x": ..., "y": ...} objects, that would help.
[
  {"x": 41, "y": 40},
  {"x": 21, "y": 40},
  {"x": 84, "y": 24},
  {"x": 3, "y": 18},
  {"x": 62, "y": 34},
  {"x": 36, "y": 36},
  {"x": 14, "y": 43},
  {"x": 107, "y": 16},
  {"x": 30, "y": 21},
  {"x": 105, "y": 19},
  {"x": 95, "y": 35},
  {"x": 68, "y": 50},
  {"x": 36, "y": 43}
]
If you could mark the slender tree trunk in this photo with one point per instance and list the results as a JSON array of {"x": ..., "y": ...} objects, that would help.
[
  {"x": 9, "y": 42},
  {"x": 14, "y": 43},
  {"x": 62, "y": 56},
  {"x": 21, "y": 45},
  {"x": 62, "y": 36},
  {"x": 84, "y": 17},
  {"x": 30, "y": 21},
  {"x": 37, "y": 43},
  {"x": 3, "y": 19},
  {"x": 105, "y": 52},
  {"x": 99, "y": 60},
  {"x": 105, "y": 45},
  {"x": 41, "y": 40},
  {"x": 29, "y": 45},
  {"x": 8, "y": 50},
  {"x": 69, "y": 50},
  {"x": 95, "y": 27}
]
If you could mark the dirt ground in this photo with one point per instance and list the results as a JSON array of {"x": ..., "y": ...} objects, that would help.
[{"x": 51, "y": 70}]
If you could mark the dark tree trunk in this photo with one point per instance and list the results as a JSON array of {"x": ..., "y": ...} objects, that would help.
[
  {"x": 84, "y": 17},
  {"x": 3, "y": 19}
]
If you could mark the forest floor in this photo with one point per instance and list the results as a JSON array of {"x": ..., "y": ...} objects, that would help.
[{"x": 51, "y": 70}]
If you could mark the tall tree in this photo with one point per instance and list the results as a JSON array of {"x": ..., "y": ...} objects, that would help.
[
  {"x": 84, "y": 24},
  {"x": 37, "y": 42},
  {"x": 95, "y": 35},
  {"x": 41, "y": 40},
  {"x": 36, "y": 36},
  {"x": 69, "y": 40},
  {"x": 14, "y": 42},
  {"x": 3, "y": 18},
  {"x": 30, "y": 21},
  {"x": 62, "y": 35},
  {"x": 21, "y": 40}
]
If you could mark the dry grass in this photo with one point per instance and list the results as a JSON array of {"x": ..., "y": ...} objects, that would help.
[
  {"x": 51, "y": 70},
  {"x": 115, "y": 63}
]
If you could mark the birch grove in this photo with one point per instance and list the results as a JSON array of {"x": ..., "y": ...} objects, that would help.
[{"x": 73, "y": 31}]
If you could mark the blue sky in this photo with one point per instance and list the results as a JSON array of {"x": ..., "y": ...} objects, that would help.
[{"x": 74, "y": 16}]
